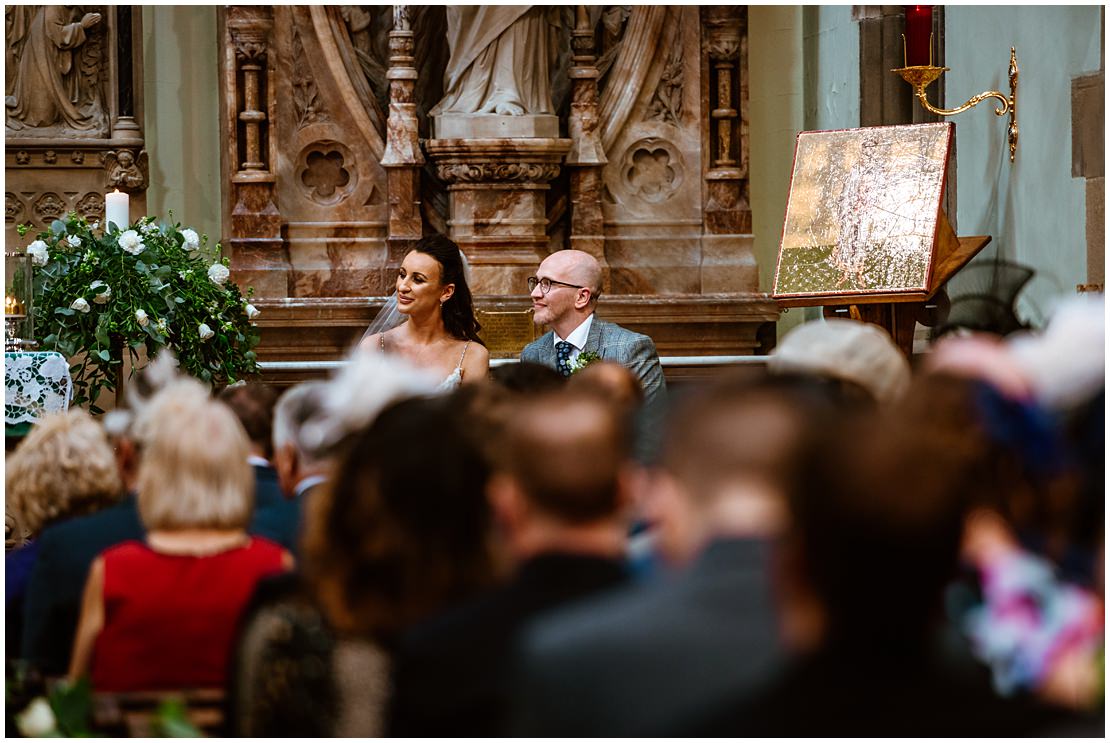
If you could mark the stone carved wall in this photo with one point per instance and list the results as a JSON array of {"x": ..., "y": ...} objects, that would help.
[
  {"x": 73, "y": 113},
  {"x": 659, "y": 192}
]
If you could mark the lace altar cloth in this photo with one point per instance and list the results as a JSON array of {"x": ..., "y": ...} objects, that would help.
[{"x": 35, "y": 383}]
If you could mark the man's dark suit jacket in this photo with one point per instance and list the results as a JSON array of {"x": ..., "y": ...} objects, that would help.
[
  {"x": 653, "y": 659},
  {"x": 276, "y": 517},
  {"x": 451, "y": 673},
  {"x": 53, "y": 601}
]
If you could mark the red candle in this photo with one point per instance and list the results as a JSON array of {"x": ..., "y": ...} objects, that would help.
[{"x": 919, "y": 32}]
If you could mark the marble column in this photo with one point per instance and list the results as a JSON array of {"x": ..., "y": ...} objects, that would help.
[
  {"x": 497, "y": 198},
  {"x": 402, "y": 158},
  {"x": 587, "y": 155},
  {"x": 728, "y": 261},
  {"x": 257, "y": 257}
]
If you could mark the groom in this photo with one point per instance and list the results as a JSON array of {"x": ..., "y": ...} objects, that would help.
[{"x": 565, "y": 290}]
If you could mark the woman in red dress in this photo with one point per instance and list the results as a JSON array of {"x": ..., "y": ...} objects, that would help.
[{"x": 161, "y": 614}]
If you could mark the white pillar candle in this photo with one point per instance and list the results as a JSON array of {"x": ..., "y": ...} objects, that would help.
[{"x": 117, "y": 208}]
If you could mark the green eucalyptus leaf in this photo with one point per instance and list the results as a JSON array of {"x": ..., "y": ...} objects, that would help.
[{"x": 58, "y": 227}]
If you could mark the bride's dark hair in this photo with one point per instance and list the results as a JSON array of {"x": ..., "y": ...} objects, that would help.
[{"x": 458, "y": 311}]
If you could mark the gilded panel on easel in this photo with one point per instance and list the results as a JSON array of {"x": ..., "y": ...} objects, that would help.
[{"x": 862, "y": 212}]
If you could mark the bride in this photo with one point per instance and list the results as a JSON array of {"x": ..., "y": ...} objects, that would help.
[{"x": 441, "y": 333}]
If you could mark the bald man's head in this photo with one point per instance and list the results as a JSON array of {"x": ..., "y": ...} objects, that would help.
[{"x": 575, "y": 278}]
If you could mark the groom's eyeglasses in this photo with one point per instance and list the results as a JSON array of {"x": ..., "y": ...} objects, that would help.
[{"x": 545, "y": 285}]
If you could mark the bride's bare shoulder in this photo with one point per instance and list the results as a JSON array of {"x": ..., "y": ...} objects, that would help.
[{"x": 371, "y": 343}]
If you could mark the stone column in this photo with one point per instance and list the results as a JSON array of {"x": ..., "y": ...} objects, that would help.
[
  {"x": 728, "y": 261},
  {"x": 402, "y": 158},
  {"x": 497, "y": 198},
  {"x": 587, "y": 155},
  {"x": 257, "y": 257}
]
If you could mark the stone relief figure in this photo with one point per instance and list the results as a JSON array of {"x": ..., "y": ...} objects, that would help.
[
  {"x": 501, "y": 60},
  {"x": 53, "y": 86},
  {"x": 368, "y": 27},
  {"x": 125, "y": 171}
]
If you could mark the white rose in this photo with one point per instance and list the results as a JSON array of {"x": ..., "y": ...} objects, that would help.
[
  {"x": 94, "y": 226},
  {"x": 80, "y": 305},
  {"x": 204, "y": 331},
  {"x": 218, "y": 273},
  {"x": 74, "y": 241},
  {"x": 252, "y": 312},
  {"x": 38, "y": 252},
  {"x": 102, "y": 296},
  {"x": 131, "y": 243},
  {"x": 192, "y": 239},
  {"x": 37, "y": 721},
  {"x": 140, "y": 315}
]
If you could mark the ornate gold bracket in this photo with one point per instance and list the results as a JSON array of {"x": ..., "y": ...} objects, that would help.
[{"x": 922, "y": 76}]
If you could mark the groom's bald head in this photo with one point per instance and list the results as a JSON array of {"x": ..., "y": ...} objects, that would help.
[
  {"x": 574, "y": 267},
  {"x": 575, "y": 278}
]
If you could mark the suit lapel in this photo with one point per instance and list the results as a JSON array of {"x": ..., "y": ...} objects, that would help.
[
  {"x": 593, "y": 338},
  {"x": 547, "y": 348}
]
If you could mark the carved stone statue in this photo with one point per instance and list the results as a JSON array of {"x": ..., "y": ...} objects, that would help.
[
  {"x": 53, "y": 87},
  {"x": 125, "y": 171},
  {"x": 501, "y": 60}
]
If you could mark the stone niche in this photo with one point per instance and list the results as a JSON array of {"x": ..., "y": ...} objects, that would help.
[
  {"x": 73, "y": 113},
  {"x": 334, "y": 168}
]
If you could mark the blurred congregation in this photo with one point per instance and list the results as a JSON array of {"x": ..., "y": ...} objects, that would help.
[{"x": 838, "y": 543}]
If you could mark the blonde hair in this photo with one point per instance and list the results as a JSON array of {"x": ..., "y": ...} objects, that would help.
[
  {"x": 194, "y": 472},
  {"x": 65, "y": 467}
]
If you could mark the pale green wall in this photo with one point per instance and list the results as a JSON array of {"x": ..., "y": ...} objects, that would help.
[
  {"x": 831, "y": 47},
  {"x": 775, "y": 99},
  {"x": 1033, "y": 208},
  {"x": 181, "y": 96}
]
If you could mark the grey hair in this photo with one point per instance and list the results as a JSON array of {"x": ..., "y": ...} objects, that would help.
[
  {"x": 363, "y": 388},
  {"x": 294, "y": 408}
]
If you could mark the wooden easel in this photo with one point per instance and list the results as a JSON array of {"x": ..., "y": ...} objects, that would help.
[{"x": 898, "y": 313}]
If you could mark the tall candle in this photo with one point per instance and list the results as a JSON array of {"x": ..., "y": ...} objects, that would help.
[
  {"x": 117, "y": 209},
  {"x": 919, "y": 32}
]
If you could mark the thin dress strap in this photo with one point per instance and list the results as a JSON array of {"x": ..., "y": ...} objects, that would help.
[{"x": 463, "y": 357}]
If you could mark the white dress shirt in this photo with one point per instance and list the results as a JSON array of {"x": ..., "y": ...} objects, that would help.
[{"x": 577, "y": 338}]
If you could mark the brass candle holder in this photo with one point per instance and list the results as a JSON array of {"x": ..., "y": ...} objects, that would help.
[{"x": 922, "y": 76}]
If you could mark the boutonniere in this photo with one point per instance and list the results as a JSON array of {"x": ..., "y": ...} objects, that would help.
[{"x": 584, "y": 359}]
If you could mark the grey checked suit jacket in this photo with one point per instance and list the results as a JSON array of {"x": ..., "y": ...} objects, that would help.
[{"x": 611, "y": 342}]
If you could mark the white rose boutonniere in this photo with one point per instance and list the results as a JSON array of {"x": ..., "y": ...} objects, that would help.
[
  {"x": 141, "y": 317},
  {"x": 38, "y": 252},
  {"x": 204, "y": 331},
  {"x": 252, "y": 311},
  {"x": 218, "y": 273},
  {"x": 80, "y": 305},
  {"x": 104, "y": 294},
  {"x": 192, "y": 239},
  {"x": 584, "y": 359},
  {"x": 130, "y": 242}
]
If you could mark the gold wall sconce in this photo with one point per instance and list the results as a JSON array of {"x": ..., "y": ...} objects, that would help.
[{"x": 922, "y": 76}]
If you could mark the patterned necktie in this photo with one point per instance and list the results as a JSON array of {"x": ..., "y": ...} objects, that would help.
[{"x": 562, "y": 357}]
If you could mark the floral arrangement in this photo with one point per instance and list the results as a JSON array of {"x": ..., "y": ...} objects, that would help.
[
  {"x": 583, "y": 360},
  {"x": 150, "y": 286}
]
